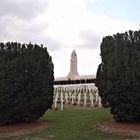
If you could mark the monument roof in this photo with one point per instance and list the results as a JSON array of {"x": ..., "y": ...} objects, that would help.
[{"x": 73, "y": 53}]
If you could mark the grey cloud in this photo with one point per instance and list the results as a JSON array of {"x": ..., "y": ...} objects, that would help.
[
  {"x": 14, "y": 28},
  {"x": 25, "y": 9},
  {"x": 24, "y": 32},
  {"x": 53, "y": 44},
  {"x": 19, "y": 23},
  {"x": 48, "y": 41},
  {"x": 91, "y": 39},
  {"x": 4, "y": 24}
]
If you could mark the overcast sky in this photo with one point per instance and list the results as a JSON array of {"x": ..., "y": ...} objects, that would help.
[{"x": 64, "y": 25}]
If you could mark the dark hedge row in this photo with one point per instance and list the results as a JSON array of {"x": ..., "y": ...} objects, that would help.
[
  {"x": 118, "y": 76},
  {"x": 26, "y": 82}
]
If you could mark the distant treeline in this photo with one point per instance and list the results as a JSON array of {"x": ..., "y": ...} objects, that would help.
[{"x": 65, "y": 82}]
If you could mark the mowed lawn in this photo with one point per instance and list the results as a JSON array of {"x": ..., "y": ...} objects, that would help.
[{"x": 72, "y": 124}]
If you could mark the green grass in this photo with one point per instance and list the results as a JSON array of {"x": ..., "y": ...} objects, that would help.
[{"x": 72, "y": 124}]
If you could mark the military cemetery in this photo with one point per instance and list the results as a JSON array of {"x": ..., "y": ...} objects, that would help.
[
  {"x": 69, "y": 70},
  {"x": 84, "y": 94}
]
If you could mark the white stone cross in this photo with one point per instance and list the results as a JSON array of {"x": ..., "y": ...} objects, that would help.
[
  {"x": 55, "y": 102},
  {"x": 100, "y": 104},
  {"x": 79, "y": 98},
  {"x": 91, "y": 99},
  {"x": 66, "y": 97},
  {"x": 72, "y": 99},
  {"x": 85, "y": 99},
  {"x": 61, "y": 100},
  {"x": 70, "y": 95},
  {"x": 96, "y": 94}
]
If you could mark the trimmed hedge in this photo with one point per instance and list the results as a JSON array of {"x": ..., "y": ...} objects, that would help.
[
  {"x": 118, "y": 76},
  {"x": 26, "y": 82}
]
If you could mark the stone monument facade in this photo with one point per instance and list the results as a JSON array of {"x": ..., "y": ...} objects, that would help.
[
  {"x": 73, "y": 66},
  {"x": 73, "y": 74}
]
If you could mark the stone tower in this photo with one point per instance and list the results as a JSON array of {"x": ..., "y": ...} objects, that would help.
[{"x": 73, "y": 66}]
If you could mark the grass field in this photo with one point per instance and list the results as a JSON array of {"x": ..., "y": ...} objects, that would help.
[{"x": 72, "y": 124}]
